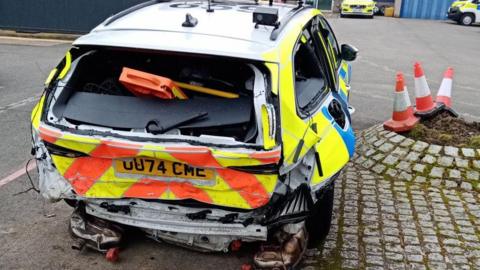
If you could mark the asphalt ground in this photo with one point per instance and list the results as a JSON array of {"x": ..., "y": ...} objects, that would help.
[{"x": 34, "y": 235}]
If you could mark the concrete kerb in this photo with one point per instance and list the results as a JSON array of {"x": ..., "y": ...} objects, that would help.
[
  {"x": 397, "y": 157},
  {"x": 41, "y": 35}
]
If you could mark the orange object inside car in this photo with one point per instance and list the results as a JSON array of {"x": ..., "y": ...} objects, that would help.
[{"x": 143, "y": 84}]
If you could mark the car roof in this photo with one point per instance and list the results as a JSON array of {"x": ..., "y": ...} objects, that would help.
[{"x": 228, "y": 31}]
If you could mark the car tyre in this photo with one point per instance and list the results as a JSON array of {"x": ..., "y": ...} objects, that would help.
[
  {"x": 466, "y": 19},
  {"x": 320, "y": 220},
  {"x": 342, "y": 16}
]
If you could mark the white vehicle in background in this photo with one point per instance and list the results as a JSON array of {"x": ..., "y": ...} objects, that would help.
[
  {"x": 465, "y": 12},
  {"x": 358, "y": 8}
]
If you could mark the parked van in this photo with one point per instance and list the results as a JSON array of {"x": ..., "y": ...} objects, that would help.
[{"x": 465, "y": 12}]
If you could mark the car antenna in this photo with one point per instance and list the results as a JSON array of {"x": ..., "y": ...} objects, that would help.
[
  {"x": 209, "y": 9},
  {"x": 300, "y": 3}
]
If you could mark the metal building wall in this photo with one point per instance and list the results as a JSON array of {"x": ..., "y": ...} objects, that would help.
[
  {"x": 70, "y": 16},
  {"x": 324, "y": 4},
  {"x": 425, "y": 9}
]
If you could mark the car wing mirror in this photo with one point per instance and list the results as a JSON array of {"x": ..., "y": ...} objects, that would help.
[{"x": 348, "y": 52}]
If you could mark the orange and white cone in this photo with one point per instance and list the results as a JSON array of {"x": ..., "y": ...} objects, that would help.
[
  {"x": 424, "y": 104},
  {"x": 444, "y": 94},
  {"x": 403, "y": 118}
]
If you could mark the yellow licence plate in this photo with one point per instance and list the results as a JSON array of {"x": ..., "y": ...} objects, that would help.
[{"x": 163, "y": 168}]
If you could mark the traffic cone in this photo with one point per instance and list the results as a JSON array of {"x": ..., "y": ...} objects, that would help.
[
  {"x": 403, "y": 118},
  {"x": 423, "y": 98},
  {"x": 444, "y": 94}
]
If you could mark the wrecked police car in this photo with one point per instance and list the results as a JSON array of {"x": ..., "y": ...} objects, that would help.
[{"x": 200, "y": 128}]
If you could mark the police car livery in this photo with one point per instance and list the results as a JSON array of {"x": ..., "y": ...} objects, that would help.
[
  {"x": 465, "y": 12},
  {"x": 201, "y": 124},
  {"x": 358, "y": 7}
]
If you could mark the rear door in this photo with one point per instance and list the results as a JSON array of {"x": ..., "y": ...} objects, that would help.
[
  {"x": 331, "y": 119},
  {"x": 340, "y": 69},
  {"x": 309, "y": 112}
]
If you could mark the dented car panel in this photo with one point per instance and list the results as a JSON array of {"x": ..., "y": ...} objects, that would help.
[{"x": 204, "y": 176}]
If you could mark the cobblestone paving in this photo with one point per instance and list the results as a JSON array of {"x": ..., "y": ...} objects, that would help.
[
  {"x": 394, "y": 155},
  {"x": 385, "y": 224},
  {"x": 385, "y": 220}
]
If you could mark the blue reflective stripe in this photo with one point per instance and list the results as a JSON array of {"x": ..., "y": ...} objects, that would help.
[
  {"x": 342, "y": 95},
  {"x": 349, "y": 73},
  {"x": 342, "y": 73},
  {"x": 348, "y": 136}
]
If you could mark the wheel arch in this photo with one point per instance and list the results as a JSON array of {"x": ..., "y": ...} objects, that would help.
[{"x": 470, "y": 13}]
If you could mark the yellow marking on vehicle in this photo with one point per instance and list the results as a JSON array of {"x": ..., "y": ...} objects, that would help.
[
  {"x": 332, "y": 155},
  {"x": 37, "y": 113},
  {"x": 223, "y": 194},
  {"x": 62, "y": 163},
  {"x": 68, "y": 64},
  {"x": 78, "y": 143},
  {"x": 53, "y": 72},
  {"x": 110, "y": 186}
]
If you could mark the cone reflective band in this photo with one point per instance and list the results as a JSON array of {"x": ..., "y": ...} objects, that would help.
[
  {"x": 444, "y": 94},
  {"x": 423, "y": 97},
  {"x": 402, "y": 118}
]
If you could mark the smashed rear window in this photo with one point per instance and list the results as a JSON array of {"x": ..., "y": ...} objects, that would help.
[{"x": 160, "y": 93}]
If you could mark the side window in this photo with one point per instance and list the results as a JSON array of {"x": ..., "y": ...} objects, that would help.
[
  {"x": 310, "y": 80},
  {"x": 332, "y": 44}
]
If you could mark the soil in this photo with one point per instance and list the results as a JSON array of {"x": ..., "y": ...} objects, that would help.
[{"x": 444, "y": 129}]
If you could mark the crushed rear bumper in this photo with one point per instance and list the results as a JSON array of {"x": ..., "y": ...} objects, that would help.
[
  {"x": 174, "y": 218},
  {"x": 205, "y": 228},
  {"x": 197, "y": 228}
]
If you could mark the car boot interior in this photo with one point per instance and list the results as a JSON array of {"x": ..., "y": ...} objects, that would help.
[{"x": 92, "y": 95}]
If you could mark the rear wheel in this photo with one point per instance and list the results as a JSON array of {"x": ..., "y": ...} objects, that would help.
[
  {"x": 466, "y": 19},
  {"x": 318, "y": 224}
]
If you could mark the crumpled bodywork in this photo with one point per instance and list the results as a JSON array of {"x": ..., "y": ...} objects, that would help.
[
  {"x": 94, "y": 176},
  {"x": 235, "y": 190},
  {"x": 88, "y": 162}
]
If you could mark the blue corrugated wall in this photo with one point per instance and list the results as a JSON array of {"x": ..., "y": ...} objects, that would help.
[
  {"x": 74, "y": 16},
  {"x": 425, "y": 9}
]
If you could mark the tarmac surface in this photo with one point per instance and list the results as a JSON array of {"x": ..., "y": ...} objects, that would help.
[{"x": 34, "y": 234}]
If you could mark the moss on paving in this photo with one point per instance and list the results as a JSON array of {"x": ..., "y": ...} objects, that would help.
[
  {"x": 474, "y": 142},
  {"x": 419, "y": 131},
  {"x": 445, "y": 138}
]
